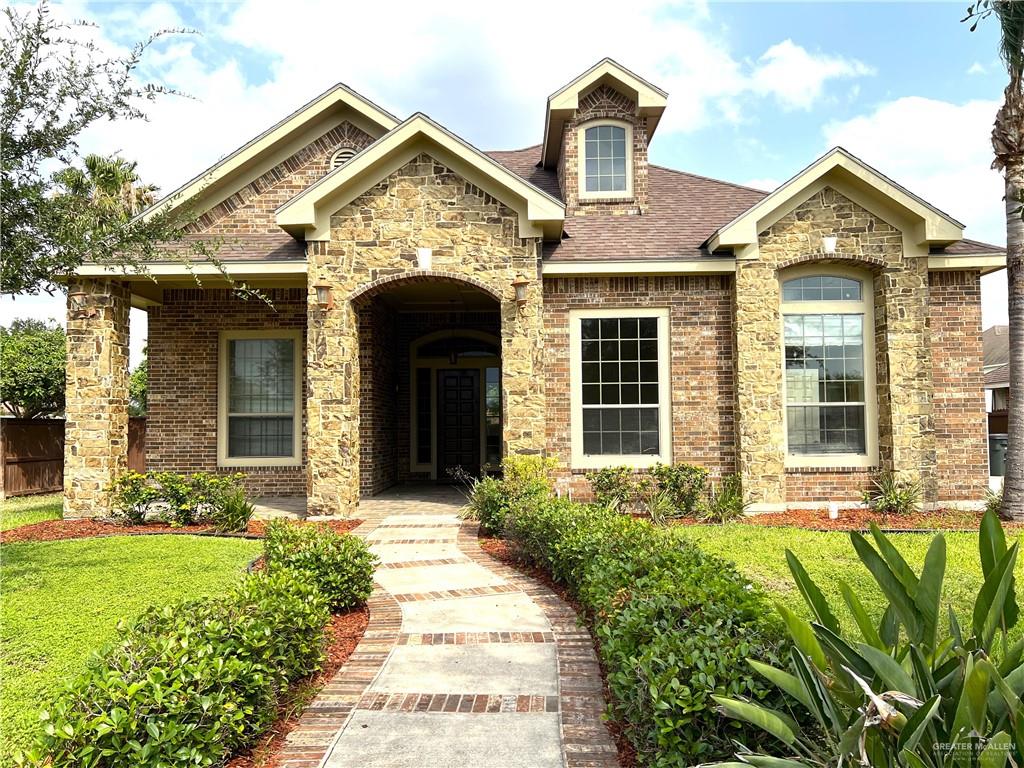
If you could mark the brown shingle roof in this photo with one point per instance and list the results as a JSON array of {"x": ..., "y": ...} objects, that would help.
[
  {"x": 684, "y": 210},
  {"x": 247, "y": 247},
  {"x": 523, "y": 163},
  {"x": 996, "y": 344},
  {"x": 998, "y": 376},
  {"x": 968, "y": 247}
]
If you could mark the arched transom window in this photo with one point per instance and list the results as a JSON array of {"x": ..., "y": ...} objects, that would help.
[{"x": 829, "y": 380}]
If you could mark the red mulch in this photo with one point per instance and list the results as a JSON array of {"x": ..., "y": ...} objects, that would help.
[
  {"x": 500, "y": 549},
  {"x": 56, "y": 530},
  {"x": 343, "y": 635},
  {"x": 860, "y": 519}
]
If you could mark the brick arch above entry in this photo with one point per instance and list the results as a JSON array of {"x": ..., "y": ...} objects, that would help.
[
  {"x": 834, "y": 259},
  {"x": 383, "y": 284}
]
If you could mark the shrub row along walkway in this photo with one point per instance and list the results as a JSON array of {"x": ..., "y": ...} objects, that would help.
[{"x": 465, "y": 661}]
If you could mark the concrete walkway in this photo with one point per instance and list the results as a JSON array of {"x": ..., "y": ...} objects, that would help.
[{"x": 466, "y": 663}]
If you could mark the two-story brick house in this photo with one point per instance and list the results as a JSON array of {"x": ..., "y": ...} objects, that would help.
[{"x": 433, "y": 305}]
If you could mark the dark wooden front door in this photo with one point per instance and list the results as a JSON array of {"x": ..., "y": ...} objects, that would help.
[{"x": 458, "y": 421}]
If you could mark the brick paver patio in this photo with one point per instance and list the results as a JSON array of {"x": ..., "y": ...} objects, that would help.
[{"x": 465, "y": 662}]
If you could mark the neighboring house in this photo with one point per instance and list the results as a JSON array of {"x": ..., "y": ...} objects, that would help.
[
  {"x": 996, "y": 343},
  {"x": 438, "y": 306}
]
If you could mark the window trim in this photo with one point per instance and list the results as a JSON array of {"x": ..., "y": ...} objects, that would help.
[
  {"x": 223, "y": 460},
  {"x": 865, "y": 307},
  {"x": 581, "y": 152},
  {"x": 580, "y": 460}
]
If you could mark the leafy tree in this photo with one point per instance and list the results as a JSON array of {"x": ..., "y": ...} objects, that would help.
[
  {"x": 138, "y": 383},
  {"x": 54, "y": 85},
  {"x": 33, "y": 355},
  {"x": 1008, "y": 144}
]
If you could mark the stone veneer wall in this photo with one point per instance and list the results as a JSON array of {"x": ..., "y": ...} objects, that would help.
[
  {"x": 960, "y": 417},
  {"x": 702, "y": 361},
  {"x": 603, "y": 102},
  {"x": 251, "y": 209},
  {"x": 373, "y": 241},
  {"x": 378, "y": 402},
  {"x": 903, "y": 359},
  {"x": 96, "y": 415},
  {"x": 183, "y": 348}
]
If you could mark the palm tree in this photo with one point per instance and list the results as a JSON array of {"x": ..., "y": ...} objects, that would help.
[
  {"x": 110, "y": 183},
  {"x": 1008, "y": 144}
]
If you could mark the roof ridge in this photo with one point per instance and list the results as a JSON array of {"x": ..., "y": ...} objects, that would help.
[
  {"x": 507, "y": 151},
  {"x": 708, "y": 178}
]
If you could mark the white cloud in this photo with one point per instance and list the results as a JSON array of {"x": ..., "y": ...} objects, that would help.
[
  {"x": 941, "y": 152},
  {"x": 797, "y": 77},
  {"x": 977, "y": 68},
  {"x": 767, "y": 184}
]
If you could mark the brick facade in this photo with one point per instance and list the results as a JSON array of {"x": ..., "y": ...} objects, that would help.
[
  {"x": 702, "y": 360},
  {"x": 956, "y": 350},
  {"x": 603, "y": 102},
  {"x": 184, "y": 337},
  {"x": 378, "y": 409},
  {"x": 251, "y": 209}
]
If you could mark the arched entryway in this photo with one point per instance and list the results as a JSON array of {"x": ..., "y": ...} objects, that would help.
[{"x": 430, "y": 381}]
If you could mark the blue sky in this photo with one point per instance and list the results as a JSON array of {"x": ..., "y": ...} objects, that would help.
[{"x": 757, "y": 90}]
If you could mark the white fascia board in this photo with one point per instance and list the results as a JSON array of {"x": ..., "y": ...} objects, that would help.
[
  {"x": 179, "y": 269},
  {"x": 638, "y": 267}
]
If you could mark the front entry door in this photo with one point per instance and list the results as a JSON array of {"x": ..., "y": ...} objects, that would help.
[{"x": 458, "y": 421}]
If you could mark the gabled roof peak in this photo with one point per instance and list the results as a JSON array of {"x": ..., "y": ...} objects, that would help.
[{"x": 650, "y": 102}]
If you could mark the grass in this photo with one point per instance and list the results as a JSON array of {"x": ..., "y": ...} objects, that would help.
[
  {"x": 24, "y": 510},
  {"x": 63, "y": 599},
  {"x": 759, "y": 552}
]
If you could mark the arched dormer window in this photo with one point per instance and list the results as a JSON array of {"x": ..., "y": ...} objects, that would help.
[
  {"x": 342, "y": 156},
  {"x": 606, "y": 160},
  {"x": 829, "y": 367}
]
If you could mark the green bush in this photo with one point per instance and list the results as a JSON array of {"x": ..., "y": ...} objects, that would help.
[
  {"x": 526, "y": 477},
  {"x": 487, "y": 503},
  {"x": 724, "y": 501},
  {"x": 994, "y": 501},
  {"x": 684, "y": 483},
  {"x": 131, "y": 495},
  {"x": 673, "y": 624},
  {"x": 340, "y": 565},
  {"x": 188, "y": 684},
  {"x": 175, "y": 491},
  {"x": 890, "y": 495},
  {"x": 614, "y": 486},
  {"x": 231, "y": 512}
]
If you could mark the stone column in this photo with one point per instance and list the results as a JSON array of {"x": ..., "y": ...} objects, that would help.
[
  {"x": 759, "y": 419},
  {"x": 908, "y": 445},
  {"x": 332, "y": 408},
  {"x": 96, "y": 412},
  {"x": 522, "y": 373}
]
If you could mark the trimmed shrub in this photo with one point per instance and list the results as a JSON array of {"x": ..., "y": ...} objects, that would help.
[
  {"x": 674, "y": 624},
  {"x": 340, "y": 565},
  {"x": 684, "y": 483},
  {"x": 487, "y": 503},
  {"x": 189, "y": 684},
  {"x": 614, "y": 486},
  {"x": 131, "y": 495}
]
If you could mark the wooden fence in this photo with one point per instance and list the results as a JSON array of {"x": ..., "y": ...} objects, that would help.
[{"x": 33, "y": 454}]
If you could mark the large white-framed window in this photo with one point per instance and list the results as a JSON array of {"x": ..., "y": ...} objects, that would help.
[
  {"x": 620, "y": 394},
  {"x": 829, "y": 391},
  {"x": 260, "y": 398},
  {"x": 606, "y": 160}
]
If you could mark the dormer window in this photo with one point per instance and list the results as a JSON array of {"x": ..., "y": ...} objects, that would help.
[{"x": 606, "y": 160}]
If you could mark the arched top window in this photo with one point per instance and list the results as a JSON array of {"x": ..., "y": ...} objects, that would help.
[
  {"x": 822, "y": 288},
  {"x": 341, "y": 157},
  {"x": 606, "y": 160}
]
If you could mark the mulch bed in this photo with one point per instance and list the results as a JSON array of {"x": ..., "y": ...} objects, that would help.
[
  {"x": 343, "y": 635},
  {"x": 500, "y": 549},
  {"x": 58, "y": 530},
  {"x": 861, "y": 519}
]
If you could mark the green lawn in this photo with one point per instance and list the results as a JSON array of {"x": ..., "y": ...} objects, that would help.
[
  {"x": 759, "y": 552},
  {"x": 62, "y": 600},
  {"x": 24, "y": 510}
]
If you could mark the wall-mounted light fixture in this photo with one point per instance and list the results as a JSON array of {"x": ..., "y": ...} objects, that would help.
[
  {"x": 520, "y": 284},
  {"x": 424, "y": 258},
  {"x": 324, "y": 299},
  {"x": 828, "y": 243}
]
